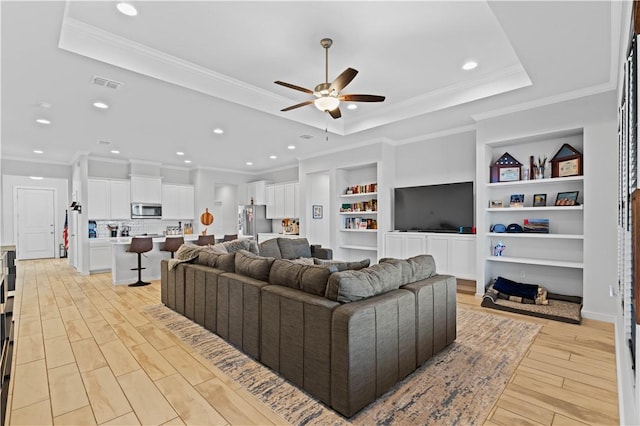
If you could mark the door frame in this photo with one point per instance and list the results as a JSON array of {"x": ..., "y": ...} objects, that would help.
[{"x": 56, "y": 226}]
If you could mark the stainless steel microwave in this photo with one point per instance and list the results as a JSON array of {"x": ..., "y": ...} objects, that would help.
[{"x": 146, "y": 211}]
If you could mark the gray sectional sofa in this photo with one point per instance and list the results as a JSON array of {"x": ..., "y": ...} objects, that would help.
[{"x": 345, "y": 336}]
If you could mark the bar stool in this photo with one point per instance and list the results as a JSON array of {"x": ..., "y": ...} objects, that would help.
[
  {"x": 230, "y": 237},
  {"x": 140, "y": 245},
  {"x": 172, "y": 244},
  {"x": 204, "y": 240}
]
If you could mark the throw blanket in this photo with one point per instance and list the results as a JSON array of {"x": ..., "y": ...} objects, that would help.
[{"x": 503, "y": 288}]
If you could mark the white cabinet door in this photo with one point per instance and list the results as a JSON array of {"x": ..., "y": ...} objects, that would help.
[
  {"x": 171, "y": 202},
  {"x": 187, "y": 200},
  {"x": 279, "y": 201},
  {"x": 296, "y": 206},
  {"x": 462, "y": 255},
  {"x": 256, "y": 192},
  {"x": 99, "y": 256},
  {"x": 120, "y": 199},
  {"x": 146, "y": 190},
  {"x": 98, "y": 201},
  {"x": 289, "y": 200},
  {"x": 438, "y": 247},
  {"x": 414, "y": 245},
  {"x": 271, "y": 207},
  {"x": 393, "y": 243}
]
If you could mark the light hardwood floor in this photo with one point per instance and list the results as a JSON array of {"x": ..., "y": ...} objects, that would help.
[{"x": 86, "y": 353}]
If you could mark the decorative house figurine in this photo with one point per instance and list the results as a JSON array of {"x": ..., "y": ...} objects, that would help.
[
  {"x": 499, "y": 248},
  {"x": 506, "y": 169},
  {"x": 566, "y": 162}
]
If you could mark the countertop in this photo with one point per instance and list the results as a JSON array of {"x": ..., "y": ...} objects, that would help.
[{"x": 127, "y": 240}]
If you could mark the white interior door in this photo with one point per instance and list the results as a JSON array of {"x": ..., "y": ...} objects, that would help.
[{"x": 35, "y": 223}]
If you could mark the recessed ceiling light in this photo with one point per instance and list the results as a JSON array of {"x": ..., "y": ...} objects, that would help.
[
  {"x": 38, "y": 151},
  {"x": 115, "y": 151},
  {"x": 218, "y": 131},
  {"x": 187, "y": 161},
  {"x": 179, "y": 153},
  {"x": 43, "y": 121},
  {"x": 127, "y": 9},
  {"x": 469, "y": 65},
  {"x": 249, "y": 163},
  {"x": 291, "y": 147},
  {"x": 352, "y": 106},
  {"x": 36, "y": 177},
  {"x": 273, "y": 157},
  {"x": 100, "y": 105}
]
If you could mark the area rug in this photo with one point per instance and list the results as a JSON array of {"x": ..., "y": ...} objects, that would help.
[{"x": 457, "y": 386}]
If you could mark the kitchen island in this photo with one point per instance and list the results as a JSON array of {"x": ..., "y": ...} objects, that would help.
[{"x": 122, "y": 261}]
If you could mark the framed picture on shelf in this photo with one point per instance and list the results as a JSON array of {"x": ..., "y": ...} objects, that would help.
[
  {"x": 516, "y": 200},
  {"x": 317, "y": 211},
  {"x": 495, "y": 204},
  {"x": 539, "y": 200},
  {"x": 505, "y": 169},
  {"x": 569, "y": 198},
  {"x": 566, "y": 162}
]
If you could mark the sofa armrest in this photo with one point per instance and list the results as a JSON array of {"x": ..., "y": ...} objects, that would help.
[{"x": 320, "y": 252}]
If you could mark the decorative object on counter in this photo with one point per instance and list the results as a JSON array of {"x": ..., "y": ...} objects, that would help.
[
  {"x": 93, "y": 233},
  {"x": 362, "y": 189},
  {"x": 207, "y": 218},
  {"x": 539, "y": 200},
  {"x": 172, "y": 244},
  {"x": 173, "y": 230},
  {"x": 505, "y": 169},
  {"x": 114, "y": 229},
  {"x": 140, "y": 245},
  {"x": 290, "y": 227},
  {"x": 566, "y": 162},
  {"x": 537, "y": 168},
  {"x": 569, "y": 198},
  {"x": 125, "y": 231},
  {"x": 516, "y": 200},
  {"x": 539, "y": 226},
  {"x": 498, "y": 249},
  {"x": 204, "y": 240},
  {"x": 317, "y": 211},
  {"x": 495, "y": 204},
  {"x": 188, "y": 229}
]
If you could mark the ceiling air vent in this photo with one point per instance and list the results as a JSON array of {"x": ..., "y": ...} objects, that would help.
[
  {"x": 306, "y": 137},
  {"x": 102, "y": 81}
]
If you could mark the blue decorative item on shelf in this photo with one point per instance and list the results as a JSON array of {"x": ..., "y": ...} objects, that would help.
[{"x": 499, "y": 248}]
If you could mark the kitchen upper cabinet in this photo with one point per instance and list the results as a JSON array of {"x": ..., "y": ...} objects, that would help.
[
  {"x": 271, "y": 201},
  {"x": 279, "y": 201},
  {"x": 98, "y": 201},
  {"x": 257, "y": 192},
  {"x": 109, "y": 199},
  {"x": 145, "y": 189},
  {"x": 290, "y": 200},
  {"x": 178, "y": 202}
]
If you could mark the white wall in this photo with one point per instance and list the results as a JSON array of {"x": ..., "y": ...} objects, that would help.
[
  {"x": 446, "y": 159},
  {"x": 9, "y": 185},
  {"x": 317, "y": 188}
]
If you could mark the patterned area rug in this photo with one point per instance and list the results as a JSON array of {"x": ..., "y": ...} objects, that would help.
[{"x": 457, "y": 386}]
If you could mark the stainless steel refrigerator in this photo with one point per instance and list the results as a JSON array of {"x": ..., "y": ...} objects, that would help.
[{"x": 253, "y": 219}]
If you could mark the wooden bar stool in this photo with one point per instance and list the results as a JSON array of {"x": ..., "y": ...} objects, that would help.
[
  {"x": 204, "y": 240},
  {"x": 172, "y": 244},
  {"x": 140, "y": 245},
  {"x": 230, "y": 237}
]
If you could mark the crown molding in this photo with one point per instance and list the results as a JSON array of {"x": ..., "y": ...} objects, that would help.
[
  {"x": 38, "y": 160},
  {"x": 436, "y": 135}
]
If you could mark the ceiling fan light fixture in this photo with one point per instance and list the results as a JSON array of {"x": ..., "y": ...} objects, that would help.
[{"x": 327, "y": 103}]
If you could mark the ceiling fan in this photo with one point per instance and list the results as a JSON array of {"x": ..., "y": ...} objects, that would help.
[{"x": 327, "y": 95}]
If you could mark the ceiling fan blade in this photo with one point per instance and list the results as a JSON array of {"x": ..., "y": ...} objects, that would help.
[
  {"x": 294, "y": 87},
  {"x": 343, "y": 79},
  {"x": 297, "y": 106},
  {"x": 361, "y": 98},
  {"x": 335, "y": 113}
]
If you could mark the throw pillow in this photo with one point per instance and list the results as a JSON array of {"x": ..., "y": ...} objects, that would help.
[
  {"x": 350, "y": 286},
  {"x": 251, "y": 265},
  {"x": 311, "y": 279},
  {"x": 415, "y": 268},
  {"x": 293, "y": 248},
  {"x": 185, "y": 253},
  {"x": 344, "y": 266},
  {"x": 270, "y": 248},
  {"x": 303, "y": 260},
  {"x": 236, "y": 245}
]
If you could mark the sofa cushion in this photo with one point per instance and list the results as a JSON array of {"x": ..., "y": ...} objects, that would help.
[
  {"x": 224, "y": 261},
  {"x": 241, "y": 244},
  {"x": 308, "y": 278},
  {"x": 344, "y": 266},
  {"x": 270, "y": 248},
  {"x": 293, "y": 248},
  {"x": 252, "y": 265},
  {"x": 415, "y": 268},
  {"x": 349, "y": 286}
]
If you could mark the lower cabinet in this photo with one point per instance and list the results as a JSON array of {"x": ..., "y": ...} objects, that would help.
[
  {"x": 454, "y": 254},
  {"x": 100, "y": 254}
]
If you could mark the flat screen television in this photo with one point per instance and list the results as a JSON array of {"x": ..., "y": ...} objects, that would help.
[{"x": 434, "y": 208}]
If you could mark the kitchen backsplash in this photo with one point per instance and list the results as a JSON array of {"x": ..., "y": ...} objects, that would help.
[{"x": 136, "y": 227}]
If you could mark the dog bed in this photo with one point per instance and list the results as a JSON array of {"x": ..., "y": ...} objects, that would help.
[{"x": 560, "y": 308}]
